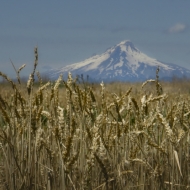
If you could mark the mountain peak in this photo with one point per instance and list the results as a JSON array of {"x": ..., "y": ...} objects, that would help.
[
  {"x": 127, "y": 45},
  {"x": 125, "y": 42}
]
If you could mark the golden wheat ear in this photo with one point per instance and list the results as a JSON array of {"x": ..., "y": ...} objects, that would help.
[{"x": 31, "y": 77}]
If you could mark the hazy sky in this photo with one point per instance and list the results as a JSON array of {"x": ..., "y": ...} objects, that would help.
[{"x": 69, "y": 31}]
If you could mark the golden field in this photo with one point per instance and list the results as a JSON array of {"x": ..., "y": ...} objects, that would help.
[{"x": 75, "y": 135}]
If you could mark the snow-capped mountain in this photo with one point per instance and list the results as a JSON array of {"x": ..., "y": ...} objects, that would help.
[{"x": 122, "y": 62}]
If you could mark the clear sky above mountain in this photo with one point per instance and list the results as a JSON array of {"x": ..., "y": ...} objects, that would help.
[{"x": 70, "y": 31}]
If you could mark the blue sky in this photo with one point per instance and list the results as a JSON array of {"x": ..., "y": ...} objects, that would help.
[{"x": 72, "y": 30}]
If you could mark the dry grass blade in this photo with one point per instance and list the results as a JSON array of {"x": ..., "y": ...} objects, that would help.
[
  {"x": 147, "y": 81},
  {"x": 177, "y": 160}
]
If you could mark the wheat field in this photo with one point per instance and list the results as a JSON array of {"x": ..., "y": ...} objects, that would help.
[{"x": 77, "y": 136}]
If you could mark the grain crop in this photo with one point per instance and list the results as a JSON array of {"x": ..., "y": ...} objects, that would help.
[{"x": 80, "y": 136}]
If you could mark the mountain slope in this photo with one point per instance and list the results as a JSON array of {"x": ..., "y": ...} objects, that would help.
[{"x": 122, "y": 62}]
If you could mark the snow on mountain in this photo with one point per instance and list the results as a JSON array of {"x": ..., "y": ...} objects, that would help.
[{"x": 122, "y": 62}]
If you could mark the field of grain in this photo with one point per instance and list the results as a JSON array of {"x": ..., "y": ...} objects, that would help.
[{"x": 73, "y": 135}]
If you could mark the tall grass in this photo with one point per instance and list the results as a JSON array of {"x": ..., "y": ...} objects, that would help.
[{"x": 87, "y": 138}]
